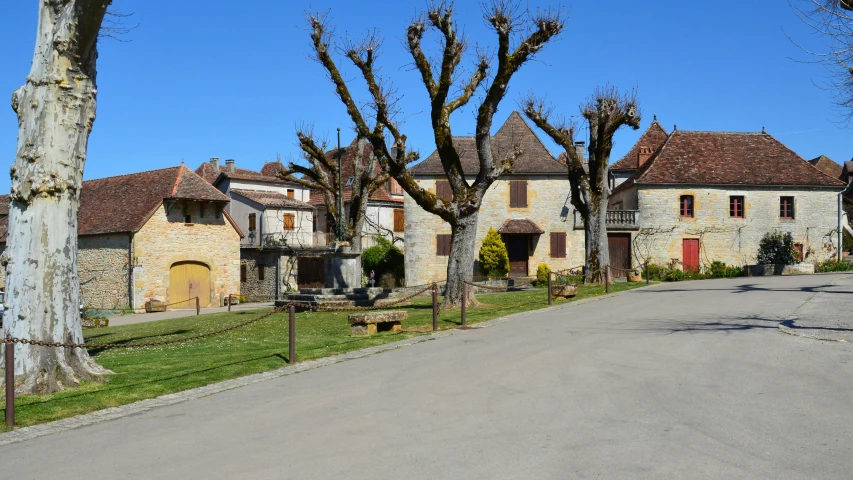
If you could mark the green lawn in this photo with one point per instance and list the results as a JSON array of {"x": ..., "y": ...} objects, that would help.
[{"x": 153, "y": 371}]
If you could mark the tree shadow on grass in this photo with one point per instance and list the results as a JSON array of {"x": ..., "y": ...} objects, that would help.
[{"x": 127, "y": 341}]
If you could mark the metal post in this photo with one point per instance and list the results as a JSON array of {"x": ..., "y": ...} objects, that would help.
[
  {"x": 229, "y": 302},
  {"x": 434, "y": 307},
  {"x": 291, "y": 331},
  {"x": 464, "y": 302},
  {"x": 550, "y": 297},
  {"x": 340, "y": 202},
  {"x": 10, "y": 383},
  {"x": 197, "y": 306},
  {"x": 607, "y": 279}
]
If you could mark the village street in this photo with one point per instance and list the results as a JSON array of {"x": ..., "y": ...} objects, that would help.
[{"x": 684, "y": 380}]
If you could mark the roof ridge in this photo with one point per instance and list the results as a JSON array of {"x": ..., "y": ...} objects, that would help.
[
  {"x": 178, "y": 181},
  {"x": 133, "y": 173},
  {"x": 532, "y": 132}
]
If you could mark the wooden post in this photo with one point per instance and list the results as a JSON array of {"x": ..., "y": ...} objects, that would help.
[
  {"x": 10, "y": 383},
  {"x": 434, "y": 307},
  {"x": 550, "y": 296},
  {"x": 464, "y": 302},
  {"x": 229, "y": 302},
  {"x": 197, "y": 306},
  {"x": 607, "y": 279},
  {"x": 291, "y": 331}
]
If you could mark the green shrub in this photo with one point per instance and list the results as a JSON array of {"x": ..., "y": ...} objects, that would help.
[
  {"x": 387, "y": 262},
  {"x": 717, "y": 269},
  {"x": 543, "y": 271},
  {"x": 494, "y": 259},
  {"x": 776, "y": 248},
  {"x": 833, "y": 266}
]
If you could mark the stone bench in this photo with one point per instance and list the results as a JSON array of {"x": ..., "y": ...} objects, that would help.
[{"x": 369, "y": 323}]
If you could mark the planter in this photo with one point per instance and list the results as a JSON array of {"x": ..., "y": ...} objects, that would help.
[
  {"x": 564, "y": 291},
  {"x": 635, "y": 276}
]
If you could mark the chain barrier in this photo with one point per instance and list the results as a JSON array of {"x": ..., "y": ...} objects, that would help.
[{"x": 185, "y": 301}]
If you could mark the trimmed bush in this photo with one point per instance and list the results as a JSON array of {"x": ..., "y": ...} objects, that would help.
[
  {"x": 387, "y": 263},
  {"x": 494, "y": 259},
  {"x": 542, "y": 272},
  {"x": 776, "y": 248}
]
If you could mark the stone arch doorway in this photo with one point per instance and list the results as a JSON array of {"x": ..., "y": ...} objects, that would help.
[{"x": 188, "y": 280}]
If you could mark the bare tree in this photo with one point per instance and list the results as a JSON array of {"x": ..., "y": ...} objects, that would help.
[
  {"x": 832, "y": 19},
  {"x": 507, "y": 19},
  {"x": 322, "y": 174},
  {"x": 56, "y": 110},
  {"x": 606, "y": 112}
]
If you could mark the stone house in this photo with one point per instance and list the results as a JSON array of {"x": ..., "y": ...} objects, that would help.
[
  {"x": 705, "y": 196},
  {"x": 157, "y": 235},
  {"x": 529, "y": 207}
]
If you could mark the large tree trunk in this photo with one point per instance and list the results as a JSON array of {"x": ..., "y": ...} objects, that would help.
[
  {"x": 460, "y": 265},
  {"x": 56, "y": 109},
  {"x": 595, "y": 234}
]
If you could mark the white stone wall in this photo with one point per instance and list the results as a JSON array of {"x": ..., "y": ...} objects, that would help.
[
  {"x": 548, "y": 207},
  {"x": 732, "y": 240},
  {"x": 300, "y": 192}
]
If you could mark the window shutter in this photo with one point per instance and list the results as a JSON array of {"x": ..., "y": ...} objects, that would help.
[
  {"x": 399, "y": 223},
  {"x": 260, "y": 272},
  {"x": 442, "y": 244},
  {"x": 291, "y": 193},
  {"x": 522, "y": 193},
  {"x": 558, "y": 244},
  {"x": 289, "y": 221},
  {"x": 443, "y": 190},
  {"x": 252, "y": 223}
]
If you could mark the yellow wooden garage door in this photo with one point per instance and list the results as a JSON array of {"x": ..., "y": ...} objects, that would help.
[{"x": 188, "y": 280}]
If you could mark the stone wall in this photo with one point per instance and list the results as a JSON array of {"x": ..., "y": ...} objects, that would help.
[
  {"x": 732, "y": 240},
  {"x": 255, "y": 289},
  {"x": 102, "y": 265},
  {"x": 548, "y": 207},
  {"x": 165, "y": 240}
]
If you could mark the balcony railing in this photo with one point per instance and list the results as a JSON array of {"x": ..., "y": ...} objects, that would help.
[
  {"x": 616, "y": 220},
  {"x": 305, "y": 240}
]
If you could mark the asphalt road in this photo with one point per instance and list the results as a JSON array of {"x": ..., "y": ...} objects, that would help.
[{"x": 683, "y": 381}]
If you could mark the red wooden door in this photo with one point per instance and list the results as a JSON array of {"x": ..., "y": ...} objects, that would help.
[{"x": 690, "y": 251}]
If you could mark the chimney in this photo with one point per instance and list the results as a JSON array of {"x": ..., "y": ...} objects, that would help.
[
  {"x": 580, "y": 149},
  {"x": 229, "y": 165},
  {"x": 214, "y": 162},
  {"x": 643, "y": 155}
]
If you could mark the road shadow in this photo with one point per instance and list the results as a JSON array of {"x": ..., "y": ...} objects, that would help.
[{"x": 749, "y": 288}]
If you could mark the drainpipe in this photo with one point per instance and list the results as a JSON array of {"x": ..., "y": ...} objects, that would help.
[{"x": 840, "y": 217}]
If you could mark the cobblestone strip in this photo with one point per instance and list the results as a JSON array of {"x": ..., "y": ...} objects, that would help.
[{"x": 28, "y": 433}]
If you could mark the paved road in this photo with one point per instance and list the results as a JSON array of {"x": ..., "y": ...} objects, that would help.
[{"x": 683, "y": 381}]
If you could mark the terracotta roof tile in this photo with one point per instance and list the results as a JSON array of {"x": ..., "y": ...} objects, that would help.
[
  {"x": 271, "y": 199},
  {"x": 652, "y": 138},
  {"x": 827, "y": 166},
  {"x": 728, "y": 158},
  {"x": 520, "y": 226},
  {"x": 535, "y": 158}
]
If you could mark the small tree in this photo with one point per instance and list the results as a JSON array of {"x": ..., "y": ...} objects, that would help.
[
  {"x": 494, "y": 259},
  {"x": 542, "y": 273},
  {"x": 776, "y": 248}
]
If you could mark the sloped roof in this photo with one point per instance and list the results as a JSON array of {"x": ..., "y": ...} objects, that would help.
[
  {"x": 534, "y": 158},
  {"x": 653, "y": 137},
  {"x": 125, "y": 202},
  {"x": 827, "y": 166},
  {"x": 520, "y": 226},
  {"x": 271, "y": 169},
  {"x": 210, "y": 175},
  {"x": 727, "y": 158},
  {"x": 270, "y": 199}
]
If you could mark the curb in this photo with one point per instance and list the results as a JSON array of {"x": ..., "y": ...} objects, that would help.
[{"x": 99, "y": 416}]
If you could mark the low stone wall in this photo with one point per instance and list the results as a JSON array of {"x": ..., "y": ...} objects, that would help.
[{"x": 779, "y": 269}]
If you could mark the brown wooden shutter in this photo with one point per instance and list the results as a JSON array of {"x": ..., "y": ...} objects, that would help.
[
  {"x": 558, "y": 244},
  {"x": 522, "y": 193},
  {"x": 518, "y": 193},
  {"x": 443, "y": 190},
  {"x": 399, "y": 223},
  {"x": 252, "y": 222},
  {"x": 442, "y": 245},
  {"x": 260, "y": 272},
  {"x": 291, "y": 193},
  {"x": 289, "y": 221}
]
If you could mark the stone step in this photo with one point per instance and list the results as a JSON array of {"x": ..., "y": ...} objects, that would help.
[
  {"x": 299, "y": 297},
  {"x": 344, "y": 291}
]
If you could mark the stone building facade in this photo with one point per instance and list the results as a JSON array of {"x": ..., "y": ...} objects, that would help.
[
  {"x": 529, "y": 207},
  {"x": 711, "y": 196}
]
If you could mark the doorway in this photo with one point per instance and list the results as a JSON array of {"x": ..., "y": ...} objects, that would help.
[
  {"x": 619, "y": 246},
  {"x": 188, "y": 280},
  {"x": 690, "y": 252},
  {"x": 519, "y": 254}
]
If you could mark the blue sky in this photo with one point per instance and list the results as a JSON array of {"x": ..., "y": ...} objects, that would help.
[{"x": 218, "y": 78}]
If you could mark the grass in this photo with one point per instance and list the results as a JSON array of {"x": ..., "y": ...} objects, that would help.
[{"x": 149, "y": 372}]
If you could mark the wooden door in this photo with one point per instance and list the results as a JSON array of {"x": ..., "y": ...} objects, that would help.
[
  {"x": 690, "y": 252},
  {"x": 310, "y": 273},
  {"x": 519, "y": 255},
  {"x": 619, "y": 246},
  {"x": 188, "y": 280}
]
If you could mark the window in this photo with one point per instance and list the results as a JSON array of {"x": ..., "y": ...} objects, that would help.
[
  {"x": 686, "y": 206},
  {"x": 291, "y": 193},
  {"x": 442, "y": 245},
  {"x": 558, "y": 244},
  {"x": 350, "y": 180},
  {"x": 399, "y": 223},
  {"x": 394, "y": 187},
  {"x": 443, "y": 190},
  {"x": 289, "y": 221},
  {"x": 242, "y": 272},
  {"x": 786, "y": 208},
  {"x": 252, "y": 223},
  {"x": 518, "y": 193},
  {"x": 736, "y": 206},
  {"x": 260, "y": 272}
]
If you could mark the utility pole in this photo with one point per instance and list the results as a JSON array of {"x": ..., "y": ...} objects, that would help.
[{"x": 341, "y": 219}]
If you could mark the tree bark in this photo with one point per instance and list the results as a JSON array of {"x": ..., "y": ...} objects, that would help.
[
  {"x": 461, "y": 259},
  {"x": 56, "y": 110},
  {"x": 595, "y": 235}
]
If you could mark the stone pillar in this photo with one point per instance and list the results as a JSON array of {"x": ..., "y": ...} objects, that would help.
[{"x": 343, "y": 268}]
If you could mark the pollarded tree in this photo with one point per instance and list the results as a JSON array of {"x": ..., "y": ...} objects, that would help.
[
  {"x": 322, "y": 174},
  {"x": 56, "y": 110},
  {"x": 461, "y": 212},
  {"x": 606, "y": 112}
]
